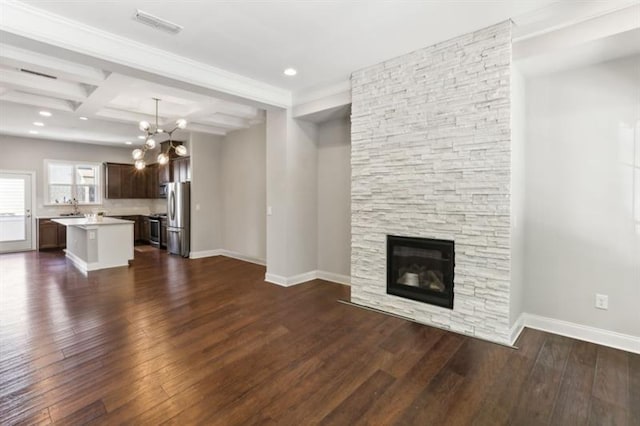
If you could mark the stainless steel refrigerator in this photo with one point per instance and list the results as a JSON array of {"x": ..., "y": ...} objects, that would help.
[{"x": 178, "y": 217}]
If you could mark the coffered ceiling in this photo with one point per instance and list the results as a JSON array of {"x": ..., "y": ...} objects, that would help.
[
  {"x": 227, "y": 62},
  {"x": 112, "y": 103}
]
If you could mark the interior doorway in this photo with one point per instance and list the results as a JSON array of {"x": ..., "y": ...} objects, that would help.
[{"x": 16, "y": 211}]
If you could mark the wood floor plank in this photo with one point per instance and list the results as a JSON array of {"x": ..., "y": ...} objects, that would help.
[
  {"x": 208, "y": 341},
  {"x": 573, "y": 402},
  {"x": 634, "y": 389},
  {"x": 541, "y": 387},
  {"x": 611, "y": 383}
]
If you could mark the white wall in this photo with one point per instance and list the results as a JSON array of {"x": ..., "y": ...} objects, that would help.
[
  {"x": 243, "y": 178},
  {"x": 29, "y": 154},
  {"x": 292, "y": 247},
  {"x": 206, "y": 194},
  {"x": 582, "y": 228},
  {"x": 302, "y": 167},
  {"x": 518, "y": 193},
  {"x": 334, "y": 196}
]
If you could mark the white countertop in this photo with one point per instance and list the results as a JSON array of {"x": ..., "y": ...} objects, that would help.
[{"x": 81, "y": 221}]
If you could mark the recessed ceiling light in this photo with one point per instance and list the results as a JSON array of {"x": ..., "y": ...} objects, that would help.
[
  {"x": 83, "y": 118},
  {"x": 45, "y": 113},
  {"x": 38, "y": 123},
  {"x": 127, "y": 143},
  {"x": 33, "y": 132},
  {"x": 290, "y": 72},
  {"x": 141, "y": 137}
]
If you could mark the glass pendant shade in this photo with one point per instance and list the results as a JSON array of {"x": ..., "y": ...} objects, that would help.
[
  {"x": 152, "y": 131},
  {"x": 140, "y": 164},
  {"x": 163, "y": 158}
]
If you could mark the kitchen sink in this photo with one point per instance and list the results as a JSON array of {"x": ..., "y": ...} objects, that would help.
[{"x": 72, "y": 214}]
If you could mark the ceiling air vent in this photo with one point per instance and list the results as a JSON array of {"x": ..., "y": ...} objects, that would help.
[
  {"x": 155, "y": 22},
  {"x": 38, "y": 73}
]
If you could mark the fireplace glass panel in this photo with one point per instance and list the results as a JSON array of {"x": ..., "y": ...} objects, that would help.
[{"x": 421, "y": 269}]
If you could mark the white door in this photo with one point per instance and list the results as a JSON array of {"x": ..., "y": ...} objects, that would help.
[{"x": 16, "y": 223}]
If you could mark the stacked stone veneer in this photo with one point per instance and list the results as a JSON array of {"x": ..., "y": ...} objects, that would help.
[{"x": 430, "y": 157}]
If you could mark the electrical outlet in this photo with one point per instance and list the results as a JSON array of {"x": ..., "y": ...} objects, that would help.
[
  {"x": 92, "y": 235},
  {"x": 602, "y": 301}
]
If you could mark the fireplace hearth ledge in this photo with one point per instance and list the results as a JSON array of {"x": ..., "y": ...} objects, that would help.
[{"x": 511, "y": 346}]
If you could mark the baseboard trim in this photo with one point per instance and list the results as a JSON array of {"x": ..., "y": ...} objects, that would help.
[
  {"x": 599, "y": 336},
  {"x": 306, "y": 276},
  {"x": 78, "y": 262},
  {"x": 335, "y": 278},
  {"x": 276, "y": 279},
  {"x": 204, "y": 253},
  {"x": 240, "y": 256},
  {"x": 516, "y": 329}
]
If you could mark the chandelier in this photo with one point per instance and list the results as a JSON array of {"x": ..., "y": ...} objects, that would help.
[{"x": 150, "y": 141}]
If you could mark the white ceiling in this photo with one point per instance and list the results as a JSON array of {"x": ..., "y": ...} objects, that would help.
[
  {"x": 113, "y": 103},
  {"x": 324, "y": 40}
]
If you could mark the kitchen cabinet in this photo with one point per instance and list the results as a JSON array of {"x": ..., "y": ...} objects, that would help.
[
  {"x": 113, "y": 180},
  {"x": 181, "y": 169},
  {"x": 164, "y": 173},
  {"x": 51, "y": 235},
  {"x": 151, "y": 183},
  {"x": 163, "y": 232},
  {"x": 144, "y": 229},
  {"x": 125, "y": 181}
]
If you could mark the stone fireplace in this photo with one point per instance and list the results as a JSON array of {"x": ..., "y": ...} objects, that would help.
[
  {"x": 431, "y": 159},
  {"x": 421, "y": 269}
]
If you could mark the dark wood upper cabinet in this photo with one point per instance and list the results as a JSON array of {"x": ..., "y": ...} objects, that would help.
[
  {"x": 124, "y": 181},
  {"x": 113, "y": 180},
  {"x": 181, "y": 169}
]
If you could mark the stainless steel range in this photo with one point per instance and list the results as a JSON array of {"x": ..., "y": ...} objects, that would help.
[{"x": 155, "y": 235}]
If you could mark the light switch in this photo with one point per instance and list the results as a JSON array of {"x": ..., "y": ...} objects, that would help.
[
  {"x": 269, "y": 211},
  {"x": 197, "y": 207}
]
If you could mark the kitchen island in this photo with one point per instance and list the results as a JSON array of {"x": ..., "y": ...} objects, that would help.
[{"x": 93, "y": 244}]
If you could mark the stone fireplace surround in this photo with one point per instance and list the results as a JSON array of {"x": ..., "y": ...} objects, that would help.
[{"x": 431, "y": 158}]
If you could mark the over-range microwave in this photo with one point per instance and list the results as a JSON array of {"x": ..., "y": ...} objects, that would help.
[{"x": 162, "y": 191}]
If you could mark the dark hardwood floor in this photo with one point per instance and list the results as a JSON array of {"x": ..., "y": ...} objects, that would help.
[{"x": 207, "y": 341}]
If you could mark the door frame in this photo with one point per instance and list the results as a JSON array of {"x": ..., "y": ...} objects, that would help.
[{"x": 32, "y": 173}]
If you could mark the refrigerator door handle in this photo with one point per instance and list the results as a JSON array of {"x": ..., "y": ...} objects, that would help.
[{"x": 172, "y": 205}]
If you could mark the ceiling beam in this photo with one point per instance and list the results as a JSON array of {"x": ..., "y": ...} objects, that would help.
[
  {"x": 42, "y": 85},
  {"x": 34, "y": 24},
  {"x": 15, "y": 57},
  {"x": 213, "y": 130},
  {"x": 36, "y": 100},
  {"x": 125, "y": 116},
  {"x": 111, "y": 87}
]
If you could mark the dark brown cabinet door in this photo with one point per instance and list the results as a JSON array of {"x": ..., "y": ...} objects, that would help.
[
  {"x": 145, "y": 231},
  {"x": 164, "y": 173},
  {"x": 163, "y": 232},
  {"x": 128, "y": 181},
  {"x": 113, "y": 180},
  {"x": 47, "y": 234},
  {"x": 62, "y": 236},
  {"x": 151, "y": 187},
  {"x": 181, "y": 169}
]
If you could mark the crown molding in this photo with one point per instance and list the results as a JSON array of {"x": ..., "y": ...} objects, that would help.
[{"x": 36, "y": 24}]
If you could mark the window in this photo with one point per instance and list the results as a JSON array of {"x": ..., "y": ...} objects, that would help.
[{"x": 65, "y": 180}]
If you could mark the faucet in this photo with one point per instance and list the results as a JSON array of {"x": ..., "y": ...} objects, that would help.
[{"x": 74, "y": 203}]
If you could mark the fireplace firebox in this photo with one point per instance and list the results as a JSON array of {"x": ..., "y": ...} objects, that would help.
[{"x": 421, "y": 269}]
